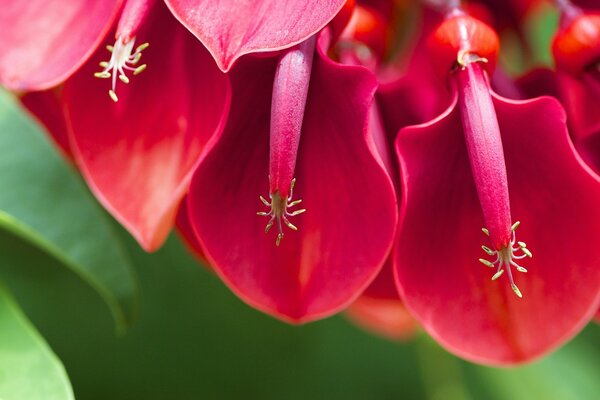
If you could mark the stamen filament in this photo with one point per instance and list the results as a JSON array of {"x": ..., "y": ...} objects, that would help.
[
  {"x": 505, "y": 258},
  {"x": 121, "y": 59},
  {"x": 280, "y": 211}
]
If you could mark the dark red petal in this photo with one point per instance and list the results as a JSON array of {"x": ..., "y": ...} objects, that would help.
[
  {"x": 232, "y": 28},
  {"x": 46, "y": 107},
  {"x": 138, "y": 155},
  {"x": 383, "y": 286},
  {"x": 383, "y": 317},
  {"x": 554, "y": 196},
  {"x": 186, "y": 232},
  {"x": 43, "y": 42},
  {"x": 345, "y": 234},
  {"x": 581, "y": 98}
]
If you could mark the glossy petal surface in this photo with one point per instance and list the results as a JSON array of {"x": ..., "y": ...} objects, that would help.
[
  {"x": 341, "y": 241},
  {"x": 44, "y": 42},
  {"x": 232, "y": 28},
  {"x": 552, "y": 194},
  {"x": 137, "y": 155}
]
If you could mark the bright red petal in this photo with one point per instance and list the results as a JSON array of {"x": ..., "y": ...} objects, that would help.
[
  {"x": 43, "y": 42},
  {"x": 345, "y": 234},
  {"x": 138, "y": 155},
  {"x": 232, "y": 28},
  {"x": 554, "y": 196},
  {"x": 46, "y": 107}
]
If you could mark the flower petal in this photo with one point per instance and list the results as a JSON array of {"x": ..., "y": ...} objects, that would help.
[
  {"x": 186, "y": 232},
  {"x": 44, "y": 42},
  {"x": 552, "y": 193},
  {"x": 346, "y": 232},
  {"x": 232, "y": 28},
  {"x": 138, "y": 154},
  {"x": 383, "y": 317},
  {"x": 580, "y": 97}
]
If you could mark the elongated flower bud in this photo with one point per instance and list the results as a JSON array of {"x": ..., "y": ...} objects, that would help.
[
  {"x": 576, "y": 45},
  {"x": 484, "y": 145},
  {"x": 474, "y": 43},
  {"x": 290, "y": 90}
]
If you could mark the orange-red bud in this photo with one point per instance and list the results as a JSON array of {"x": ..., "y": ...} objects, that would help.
[
  {"x": 576, "y": 46},
  {"x": 458, "y": 37}
]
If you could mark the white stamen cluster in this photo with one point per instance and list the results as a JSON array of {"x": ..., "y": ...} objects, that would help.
[
  {"x": 506, "y": 257},
  {"x": 121, "y": 60},
  {"x": 280, "y": 211}
]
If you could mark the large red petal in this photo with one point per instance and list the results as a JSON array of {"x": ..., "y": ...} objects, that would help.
[
  {"x": 383, "y": 317},
  {"x": 43, "y": 42},
  {"x": 554, "y": 196},
  {"x": 138, "y": 155},
  {"x": 232, "y": 28},
  {"x": 346, "y": 233}
]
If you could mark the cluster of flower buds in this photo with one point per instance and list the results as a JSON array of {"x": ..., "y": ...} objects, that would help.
[{"x": 388, "y": 133}]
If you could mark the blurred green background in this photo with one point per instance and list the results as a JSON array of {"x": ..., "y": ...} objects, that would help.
[{"x": 194, "y": 340}]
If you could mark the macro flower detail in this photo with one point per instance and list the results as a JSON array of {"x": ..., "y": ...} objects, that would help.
[
  {"x": 380, "y": 159},
  {"x": 481, "y": 161},
  {"x": 341, "y": 242},
  {"x": 290, "y": 90},
  {"x": 464, "y": 45},
  {"x": 123, "y": 57},
  {"x": 138, "y": 155}
]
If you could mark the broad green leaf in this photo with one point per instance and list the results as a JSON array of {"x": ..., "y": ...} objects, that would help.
[
  {"x": 43, "y": 200},
  {"x": 29, "y": 370}
]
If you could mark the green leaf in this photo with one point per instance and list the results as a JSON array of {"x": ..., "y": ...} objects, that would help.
[
  {"x": 29, "y": 370},
  {"x": 43, "y": 200}
]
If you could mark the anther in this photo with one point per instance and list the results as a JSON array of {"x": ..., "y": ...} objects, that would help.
[
  {"x": 506, "y": 256},
  {"x": 122, "y": 59},
  {"x": 497, "y": 275},
  {"x": 489, "y": 251},
  {"x": 113, "y": 95},
  {"x": 516, "y": 290},
  {"x": 279, "y": 211},
  {"x": 486, "y": 262}
]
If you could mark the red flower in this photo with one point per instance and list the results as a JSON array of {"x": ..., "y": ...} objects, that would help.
[
  {"x": 138, "y": 155},
  {"x": 488, "y": 162},
  {"x": 303, "y": 119}
]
